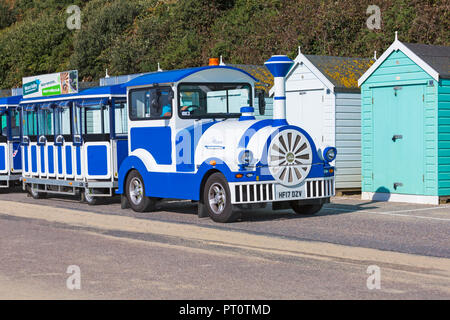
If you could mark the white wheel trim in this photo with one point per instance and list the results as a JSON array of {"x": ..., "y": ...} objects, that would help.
[
  {"x": 136, "y": 190},
  {"x": 290, "y": 157},
  {"x": 88, "y": 195},
  {"x": 217, "y": 198}
]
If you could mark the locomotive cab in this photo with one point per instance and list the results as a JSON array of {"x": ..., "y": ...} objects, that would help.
[{"x": 193, "y": 135}]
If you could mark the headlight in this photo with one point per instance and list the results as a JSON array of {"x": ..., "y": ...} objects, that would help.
[
  {"x": 245, "y": 157},
  {"x": 329, "y": 154}
]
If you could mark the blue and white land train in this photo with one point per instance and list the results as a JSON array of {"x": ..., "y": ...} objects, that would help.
[{"x": 183, "y": 134}]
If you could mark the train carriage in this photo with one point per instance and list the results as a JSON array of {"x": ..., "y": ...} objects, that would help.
[
  {"x": 74, "y": 143},
  {"x": 10, "y": 153},
  {"x": 193, "y": 135}
]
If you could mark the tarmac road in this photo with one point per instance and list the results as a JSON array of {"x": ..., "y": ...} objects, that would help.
[{"x": 171, "y": 254}]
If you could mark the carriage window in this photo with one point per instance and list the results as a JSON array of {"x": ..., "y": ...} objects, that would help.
[
  {"x": 45, "y": 117},
  {"x": 77, "y": 120},
  {"x": 212, "y": 100},
  {"x": 62, "y": 125},
  {"x": 121, "y": 117},
  {"x": 30, "y": 123},
  {"x": 151, "y": 103},
  {"x": 15, "y": 123},
  {"x": 4, "y": 125},
  {"x": 95, "y": 120}
]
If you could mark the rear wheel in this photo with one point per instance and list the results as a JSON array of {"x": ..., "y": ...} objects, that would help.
[
  {"x": 135, "y": 191},
  {"x": 35, "y": 194},
  {"x": 217, "y": 199},
  {"x": 308, "y": 209},
  {"x": 88, "y": 197}
]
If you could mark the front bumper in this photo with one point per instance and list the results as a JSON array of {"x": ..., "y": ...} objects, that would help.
[{"x": 271, "y": 191}]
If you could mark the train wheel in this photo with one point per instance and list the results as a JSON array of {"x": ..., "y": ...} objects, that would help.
[
  {"x": 217, "y": 199},
  {"x": 309, "y": 209},
  {"x": 135, "y": 190},
  {"x": 35, "y": 194},
  {"x": 86, "y": 196}
]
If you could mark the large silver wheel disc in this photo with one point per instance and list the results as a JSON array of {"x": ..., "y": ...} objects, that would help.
[
  {"x": 217, "y": 198},
  {"x": 136, "y": 190},
  {"x": 290, "y": 157}
]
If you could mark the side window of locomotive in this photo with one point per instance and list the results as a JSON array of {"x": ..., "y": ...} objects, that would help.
[
  {"x": 151, "y": 103},
  {"x": 212, "y": 100}
]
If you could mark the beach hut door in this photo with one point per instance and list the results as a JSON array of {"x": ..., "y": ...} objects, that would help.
[{"x": 398, "y": 139}]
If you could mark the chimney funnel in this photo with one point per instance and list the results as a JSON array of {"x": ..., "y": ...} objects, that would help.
[{"x": 279, "y": 66}]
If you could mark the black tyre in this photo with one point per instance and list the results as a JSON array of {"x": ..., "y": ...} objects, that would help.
[
  {"x": 86, "y": 196},
  {"x": 35, "y": 194},
  {"x": 135, "y": 191},
  {"x": 216, "y": 199},
  {"x": 308, "y": 209}
]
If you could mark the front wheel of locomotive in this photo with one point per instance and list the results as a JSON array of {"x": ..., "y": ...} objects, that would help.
[
  {"x": 135, "y": 192},
  {"x": 217, "y": 199}
]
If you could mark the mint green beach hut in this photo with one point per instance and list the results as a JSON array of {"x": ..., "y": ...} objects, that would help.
[{"x": 406, "y": 125}]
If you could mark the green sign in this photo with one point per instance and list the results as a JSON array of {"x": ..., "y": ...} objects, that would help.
[
  {"x": 51, "y": 91},
  {"x": 31, "y": 87}
]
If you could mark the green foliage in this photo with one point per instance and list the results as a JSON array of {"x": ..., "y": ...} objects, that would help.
[
  {"x": 103, "y": 23},
  {"x": 133, "y": 36},
  {"x": 7, "y": 14}
]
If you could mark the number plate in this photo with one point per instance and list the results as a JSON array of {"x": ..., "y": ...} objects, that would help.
[{"x": 283, "y": 193}]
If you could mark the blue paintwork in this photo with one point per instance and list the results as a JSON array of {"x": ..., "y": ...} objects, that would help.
[
  {"x": 97, "y": 160},
  {"x": 25, "y": 154},
  {"x": 60, "y": 159},
  {"x": 175, "y": 76},
  {"x": 122, "y": 151},
  {"x": 10, "y": 101},
  {"x": 156, "y": 140},
  {"x": 247, "y": 109},
  {"x": 193, "y": 133},
  {"x": 17, "y": 160},
  {"x": 173, "y": 185},
  {"x": 42, "y": 157},
  {"x": 2, "y": 158},
  {"x": 78, "y": 160},
  {"x": 51, "y": 159},
  {"x": 279, "y": 123},
  {"x": 246, "y": 118},
  {"x": 279, "y": 66},
  {"x": 34, "y": 167},
  {"x": 325, "y": 152},
  {"x": 94, "y": 102},
  {"x": 69, "y": 169}
]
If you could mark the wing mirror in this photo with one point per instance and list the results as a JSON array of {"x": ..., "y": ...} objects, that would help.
[{"x": 261, "y": 102}]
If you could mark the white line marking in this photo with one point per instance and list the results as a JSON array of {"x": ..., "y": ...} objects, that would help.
[{"x": 395, "y": 213}]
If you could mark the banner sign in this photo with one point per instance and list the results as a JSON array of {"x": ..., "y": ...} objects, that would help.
[{"x": 50, "y": 84}]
